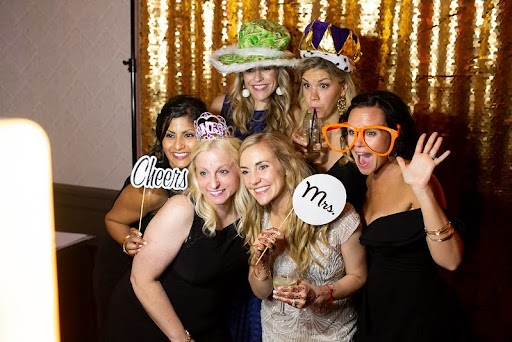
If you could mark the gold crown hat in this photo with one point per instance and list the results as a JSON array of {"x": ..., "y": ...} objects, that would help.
[
  {"x": 339, "y": 46},
  {"x": 261, "y": 43}
]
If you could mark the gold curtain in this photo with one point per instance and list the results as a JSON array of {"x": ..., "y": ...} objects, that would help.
[{"x": 446, "y": 58}]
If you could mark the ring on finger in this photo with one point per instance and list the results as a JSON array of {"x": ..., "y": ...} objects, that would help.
[{"x": 432, "y": 155}]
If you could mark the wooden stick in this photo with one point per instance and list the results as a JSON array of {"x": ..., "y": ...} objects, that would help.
[
  {"x": 142, "y": 207},
  {"x": 257, "y": 261}
]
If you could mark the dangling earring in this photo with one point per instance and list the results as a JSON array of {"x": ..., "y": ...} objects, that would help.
[
  {"x": 245, "y": 92},
  {"x": 279, "y": 91},
  {"x": 342, "y": 105}
]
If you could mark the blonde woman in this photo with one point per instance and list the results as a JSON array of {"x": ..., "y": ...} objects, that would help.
[
  {"x": 327, "y": 88},
  {"x": 261, "y": 95},
  {"x": 328, "y": 260},
  {"x": 194, "y": 252}
]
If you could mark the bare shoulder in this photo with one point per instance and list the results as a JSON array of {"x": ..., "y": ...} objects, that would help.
[
  {"x": 216, "y": 106},
  {"x": 173, "y": 220}
]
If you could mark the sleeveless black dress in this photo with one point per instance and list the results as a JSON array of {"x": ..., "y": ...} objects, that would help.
[
  {"x": 198, "y": 283},
  {"x": 110, "y": 265},
  {"x": 404, "y": 298}
]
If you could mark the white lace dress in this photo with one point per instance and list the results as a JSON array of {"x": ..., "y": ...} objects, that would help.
[{"x": 321, "y": 322}]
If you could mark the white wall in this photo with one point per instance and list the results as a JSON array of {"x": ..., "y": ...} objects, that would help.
[{"x": 61, "y": 66}]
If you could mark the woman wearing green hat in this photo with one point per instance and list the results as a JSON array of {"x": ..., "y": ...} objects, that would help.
[
  {"x": 261, "y": 95},
  {"x": 329, "y": 54}
]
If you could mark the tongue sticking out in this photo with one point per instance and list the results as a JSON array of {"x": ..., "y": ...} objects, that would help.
[{"x": 363, "y": 159}]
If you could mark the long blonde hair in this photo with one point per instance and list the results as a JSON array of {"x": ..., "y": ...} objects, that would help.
[
  {"x": 277, "y": 118},
  {"x": 343, "y": 78},
  {"x": 203, "y": 206},
  {"x": 300, "y": 236}
]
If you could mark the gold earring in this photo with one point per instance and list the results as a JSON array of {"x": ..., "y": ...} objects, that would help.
[{"x": 342, "y": 105}]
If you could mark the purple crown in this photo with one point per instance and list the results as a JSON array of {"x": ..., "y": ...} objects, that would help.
[{"x": 338, "y": 45}]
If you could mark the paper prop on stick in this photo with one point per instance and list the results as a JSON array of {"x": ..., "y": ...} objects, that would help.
[
  {"x": 146, "y": 174},
  {"x": 319, "y": 199}
]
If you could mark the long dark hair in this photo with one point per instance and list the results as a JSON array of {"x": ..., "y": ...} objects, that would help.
[
  {"x": 175, "y": 107},
  {"x": 395, "y": 112}
]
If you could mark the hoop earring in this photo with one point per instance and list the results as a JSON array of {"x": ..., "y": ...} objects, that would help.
[
  {"x": 279, "y": 91},
  {"x": 342, "y": 105},
  {"x": 245, "y": 92}
]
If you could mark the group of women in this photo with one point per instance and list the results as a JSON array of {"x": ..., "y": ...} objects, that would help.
[{"x": 235, "y": 226}]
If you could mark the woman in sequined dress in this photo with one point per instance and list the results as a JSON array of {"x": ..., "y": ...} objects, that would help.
[{"x": 328, "y": 259}]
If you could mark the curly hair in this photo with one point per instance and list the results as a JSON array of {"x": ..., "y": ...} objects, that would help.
[
  {"x": 277, "y": 118},
  {"x": 395, "y": 112},
  {"x": 300, "y": 236},
  {"x": 204, "y": 208},
  {"x": 175, "y": 107}
]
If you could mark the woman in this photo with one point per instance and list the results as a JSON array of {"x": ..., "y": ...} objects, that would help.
[
  {"x": 407, "y": 232},
  {"x": 194, "y": 252},
  {"x": 327, "y": 89},
  {"x": 261, "y": 95},
  {"x": 175, "y": 140},
  {"x": 328, "y": 259}
]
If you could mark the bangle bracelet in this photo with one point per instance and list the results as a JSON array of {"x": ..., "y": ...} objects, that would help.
[
  {"x": 444, "y": 229},
  {"x": 449, "y": 236},
  {"x": 267, "y": 275},
  {"x": 189, "y": 338},
  {"x": 125, "y": 240}
]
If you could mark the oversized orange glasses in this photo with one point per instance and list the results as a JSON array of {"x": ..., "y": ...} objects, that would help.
[{"x": 380, "y": 140}]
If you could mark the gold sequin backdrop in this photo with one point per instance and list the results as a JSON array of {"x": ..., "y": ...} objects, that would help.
[{"x": 448, "y": 59}]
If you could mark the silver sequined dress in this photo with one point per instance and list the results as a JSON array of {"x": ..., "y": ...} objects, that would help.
[{"x": 322, "y": 322}]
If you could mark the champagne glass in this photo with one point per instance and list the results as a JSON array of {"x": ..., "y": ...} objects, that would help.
[
  {"x": 311, "y": 132},
  {"x": 284, "y": 275}
]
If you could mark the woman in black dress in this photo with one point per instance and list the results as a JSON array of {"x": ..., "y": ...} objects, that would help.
[
  {"x": 407, "y": 233},
  {"x": 327, "y": 87},
  {"x": 175, "y": 140},
  {"x": 181, "y": 278}
]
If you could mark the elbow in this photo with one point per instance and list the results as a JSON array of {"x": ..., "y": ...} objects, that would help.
[{"x": 454, "y": 265}]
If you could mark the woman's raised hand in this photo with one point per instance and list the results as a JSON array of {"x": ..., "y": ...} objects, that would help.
[{"x": 418, "y": 172}]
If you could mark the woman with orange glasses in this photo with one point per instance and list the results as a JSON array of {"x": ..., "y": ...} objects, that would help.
[{"x": 407, "y": 233}]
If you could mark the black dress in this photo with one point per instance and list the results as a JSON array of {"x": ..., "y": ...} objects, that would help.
[
  {"x": 110, "y": 265},
  {"x": 353, "y": 180},
  {"x": 198, "y": 282},
  {"x": 404, "y": 299}
]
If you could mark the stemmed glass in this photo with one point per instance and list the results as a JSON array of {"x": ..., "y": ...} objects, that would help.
[{"x": 284, "y": 275}]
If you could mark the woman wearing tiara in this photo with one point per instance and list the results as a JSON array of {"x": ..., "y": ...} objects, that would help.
[
  {"x": 193, "y": 254},
  {"x": 261, "y": 96}
]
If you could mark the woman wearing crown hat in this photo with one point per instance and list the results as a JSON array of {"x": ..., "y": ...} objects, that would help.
[
  {"x": 261, "y": 95},
  {"x": 194, "y": 253},
  {"x": 329, "y": 54}
]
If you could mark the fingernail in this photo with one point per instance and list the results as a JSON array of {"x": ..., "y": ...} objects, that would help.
[
  {"x": 144, "y": 243},
  {"x": 139, "y": 233}
]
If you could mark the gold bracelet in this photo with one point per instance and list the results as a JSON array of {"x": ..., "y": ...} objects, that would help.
[
  {"x": 449, "y": 236},
  {"x": 189, "y": 338},
  {"x": 444, "y": 229},
  {"x": 267, "y": 275},
  {"x": 125, "y": 240}
]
